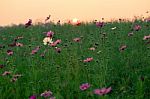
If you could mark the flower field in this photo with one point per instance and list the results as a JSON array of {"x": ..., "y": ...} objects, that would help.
[{"x": 103, "y": 60}]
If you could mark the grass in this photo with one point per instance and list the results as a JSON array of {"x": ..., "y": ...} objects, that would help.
[{"x": 127, "y": 72}]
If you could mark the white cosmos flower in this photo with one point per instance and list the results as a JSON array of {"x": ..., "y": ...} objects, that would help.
[
  {"x": 47, "y": 40},
  {"x": 113, "y": 28}
]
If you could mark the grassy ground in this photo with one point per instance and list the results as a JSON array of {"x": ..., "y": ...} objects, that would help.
[{"x": 127, "y": 72}]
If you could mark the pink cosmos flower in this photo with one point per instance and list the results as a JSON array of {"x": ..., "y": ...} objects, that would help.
[
  {"x": 35, "y": 50},
  {"x": 10, "y": 52},
  {"x": 99, "y": 24},
  {"x": 28, "y": 23},
  {"x": 46, "y": 94},
  {"x": 137, "y": 27},
  {"x": 50, "y": 34},
  {"x": 55, "y": 43},
  {"x": 102, "y": 91},
  {"x": 77, "y": 39},
  {"x": 146, "y": 37},
  {"x": 123, "y": 47},
  {"x": 58, "y": 50},
  {"x": 6, "y": 73},
  {"x": 88, "y": 59},
  {"x": 19, "y": 44},
  {"x": 84, "y": 86},
  {"x": 32, "y": 97}
]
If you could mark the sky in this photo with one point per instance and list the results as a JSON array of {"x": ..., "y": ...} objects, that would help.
[{"x": 19, "y": 11}]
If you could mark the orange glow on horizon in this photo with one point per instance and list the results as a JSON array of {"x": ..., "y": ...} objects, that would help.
[{"x": 19, "y": 11}]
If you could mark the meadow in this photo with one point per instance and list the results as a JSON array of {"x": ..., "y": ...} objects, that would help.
[{"x": 112, "y": 59}]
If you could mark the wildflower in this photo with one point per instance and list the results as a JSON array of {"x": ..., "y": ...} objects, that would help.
[
  {"x": 55, "y": 43},
  {"x": 15, "y": 77},
  {"x": 6, "y": 73},
  {"x": 35, "y": 50},
  {"x": 28, "y": 23},
  {"x": 137, "y": 27},
  {"x": 113, "y": 28},
  {"x": 10, "y": 52},
  {"x": 58, "y": 22},
  {"x": 50, "y": 34},
  {"x": 130, "y": 34},
  {"x": 102, "y": 91},
  {"x": 13, "y": 80},
  {"x": 92, "y": 48},
  {"x": 19, "y": 44},
  {"x": 58, "y": 50},
  {"x": 123, "y": 47},
  {"x": 146, "y": 37},
  {"x": 84, "y": 86},
  {"x": 32, "y": 97},
  {"x": 47, "y": 40},
  {"x": 88, "y": 59},
  {"x": 77, "y": 39},
  {"x": 99, "y": 24},
  {"x": 47, "y": 18},
  {"x": 46, "y": 94}
]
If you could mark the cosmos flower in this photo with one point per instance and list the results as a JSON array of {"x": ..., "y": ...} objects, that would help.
[
  {"x": 47, "y": 40},
  {"x": 46, "y": 94},
  {"x": 123, "y": 47},
  {"x": 47, "y": 18},
  {"x": 29, "y": 23},
  {"x": 92, "y": 48},
  {"x": 88, "y": 59},
  {"x": 113, "y": 28},
  {"x": 84, "y": 86},
  {"x": 10, "y": 52},
  {"x": 76, "y": 39},
  {"x": 130, "y": 34},
  {"x": 102, "y": 91},
  {"x": 58, "y": 50},
  {"x": 50, "y": 34},
  {"x": 99, "y": 24},
  {"x": 6, "y": 73},
  {"x": 137, "y": 27},
  {"x": 34, "y": 51},
  {"x": 146, "y": 37},
  {"x": 55, "y": 43},
  {"x": 19, "y": 44},
  {"x": 32, "y": 97}
]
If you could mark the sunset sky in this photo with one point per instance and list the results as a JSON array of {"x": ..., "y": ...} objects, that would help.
[{"x": 19, "y": 11}]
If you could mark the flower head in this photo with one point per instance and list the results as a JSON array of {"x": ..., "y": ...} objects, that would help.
[
  {"x": 88, "y": 59},
  {"x": 99, "y": 24},
  {"x": 32, "y": 97},
  {"x": 84, "y": 86},
  {"x": 102, "y": 91},
  {"x": 76, "y": 39},
  {"x": 46, "y": 94},
  {"x": 50, "y": 34},
  {"x": 123, "y": 47},
  {"x": 137, "y": 27},
  {"x": 47, "y": 40},
  {"x": 146, "y": 37},
  {"x": 10, "y": 52}
]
